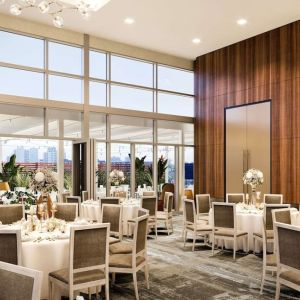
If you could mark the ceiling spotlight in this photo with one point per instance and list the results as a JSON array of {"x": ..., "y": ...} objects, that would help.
[
  {"x": 196, "y": 41},
  {"x": 242, "y": 22},
  {"x": 129, "y": 21}
]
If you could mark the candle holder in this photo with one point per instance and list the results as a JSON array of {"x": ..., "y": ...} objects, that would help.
[{"x": 41, "y": 213}]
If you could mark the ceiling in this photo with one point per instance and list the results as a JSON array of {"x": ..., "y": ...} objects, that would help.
[{"x": 169, "y": 26}]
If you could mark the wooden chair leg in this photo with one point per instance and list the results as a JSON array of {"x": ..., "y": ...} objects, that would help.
[
  {"x": 155, "y": 230},
  {"x": 135, "y": 286},
  {"x": 90, "y": 294},
  {"x": 262, "y": 280},
  {"x": 71, "y": 294},
  {"x": 50, "y": 289},
  {"x": 184, "y": 237},
  {"x": 213, "y": 245},
  {"x": 234, "y": 249},
  {"x": 147, "y": 276},
  {"x": 194, "y": 241},
  {"x": 277, "y": 295},
  {"x": 113, "y": 275}
]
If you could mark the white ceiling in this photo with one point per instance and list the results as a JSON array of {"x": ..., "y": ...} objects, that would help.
[{"x": 169, "y": 25}]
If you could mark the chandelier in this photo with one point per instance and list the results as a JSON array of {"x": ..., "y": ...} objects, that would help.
[{"x": 55, "y": 8}]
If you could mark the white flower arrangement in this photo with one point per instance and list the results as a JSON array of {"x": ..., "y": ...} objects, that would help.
[
  {"x": 44, "y": 181},
  {"x": 116, "y": 177},
  {"x": 253, "y": 177}
]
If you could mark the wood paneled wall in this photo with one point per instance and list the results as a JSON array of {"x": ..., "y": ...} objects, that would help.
[{"x": 264, "y": 67}]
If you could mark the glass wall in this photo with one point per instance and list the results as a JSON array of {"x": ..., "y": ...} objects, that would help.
[
  {"x": 189, "y": 167},
  {"x": 143, "y": 166}
]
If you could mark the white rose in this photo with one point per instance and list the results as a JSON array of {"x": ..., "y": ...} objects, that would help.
[
  {"x": 54, "y": 175},
  {"x": 39, "y": 176},
  {"x": 249, "y": 175},
  {"x": 121, "y": 174},
  {"x": 260, "y": 174}
]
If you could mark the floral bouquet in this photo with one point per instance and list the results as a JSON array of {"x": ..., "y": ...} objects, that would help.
[
  {"x": 44, "y": 181},
  {"x": 253, "y": 177},
  {"x": 116, "y": 177}
]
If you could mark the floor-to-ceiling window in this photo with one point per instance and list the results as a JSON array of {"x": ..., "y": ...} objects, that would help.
[{"x": 133, "y": 108}]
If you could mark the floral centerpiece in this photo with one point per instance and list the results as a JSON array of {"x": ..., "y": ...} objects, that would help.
[
  {"x": 27, "y": 198},
  {"x": 254, "y": 178},
  {"x": 116, "y": 177},
  {"x": 44, "y": 181}
]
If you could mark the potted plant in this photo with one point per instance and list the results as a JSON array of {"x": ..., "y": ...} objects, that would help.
[{"x": 10, "y": 172}]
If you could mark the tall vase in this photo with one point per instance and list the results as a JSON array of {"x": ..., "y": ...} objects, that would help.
[
  {"x": 45, "y": 199},
  {"x": 253, "y": 195}
]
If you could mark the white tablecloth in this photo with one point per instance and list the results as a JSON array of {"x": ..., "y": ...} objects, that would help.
[
  {"x": 46, "y": 256},
  {"x": 91, "y": 210}
]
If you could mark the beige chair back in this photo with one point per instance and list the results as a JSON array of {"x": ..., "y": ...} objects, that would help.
[
  {"x": 282, "y": 216},
  {"x": 112, "y": 214},
  {"x": 150, "y": 203},
  {"x": 215, "y": 200},
  {"x": 64, "y": 196},
  {"x": 148, "y": 193},
  {"x": 142, "y": 212},
  {"x": 140, "y": 234},
  {"x": 10, "y": 246},
  {"x": 84, "y": 195},
  {"x": 268, "y": 213},
  {"x": 169, "y": 202},
  {"x": 203, "y": 203},
  {"x": 19, "y": 283},
  {"x": 288, "y": 240},
  {"x": 224, "y": 215},
  {"x": 67, "y": 211},
  {"x": 73, "y": 199},
  {"x": 109, "y": 200},
  {"x": 273, "y": 198},
  {"x": 235, "y": 198},
  {"x": 11, "y": 213},
  {"x": 89, "y": 248},
  {"x": 189, "y": 210}
]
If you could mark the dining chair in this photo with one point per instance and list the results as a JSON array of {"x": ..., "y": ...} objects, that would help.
[
  {"x": 287, "y": 239},
  {"x": 269, "y": 260},
  {"x": 10, "y": 246},
  {"x": 64, "y": 196},
  {"x": 267, "y": 216},
  {"x": 282, "y": 215},
  {"x": 112, "y": 214},
  {"x": 215, "y": 200},
  {"x": 19, "y": 283},
  {"x": 84, "y": 195},
  {"x": 273, "y": 198},
  {"x": 109, "y": 200},
  {"x": 148, "y": 193},
  {"x": 225, "y": 226},
  {"x": 191, "y": 224},
  {"x": 88, "y": 261},
  {"x": 138, "y": 259},
  {"x": 66, "y": 211},
  {"x": 150, "y": 203},
  {"x": 166, "y": 216},
  {"x": 130, "y": 222},
  {"x": 10, "y": 213},
  {"x": 202, "y": 206},
  {"x": 235, "y": 198}
]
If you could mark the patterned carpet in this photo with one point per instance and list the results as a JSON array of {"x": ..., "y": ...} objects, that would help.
[{"x": 179, "y": 273}]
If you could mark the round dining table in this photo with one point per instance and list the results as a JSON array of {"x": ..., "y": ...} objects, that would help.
[
  {"x": 91, "y": 210},
  {"x": 250, "y": 219}
]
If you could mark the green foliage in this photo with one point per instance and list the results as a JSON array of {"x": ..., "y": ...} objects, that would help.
[
  {"x": 10, "y": 172},
  {"x": 23, "y": 179},
  {"x": 101, "y": 177},
  {"x": 68, "y": 181},
  {"x": 142, "y": 175},
  {"x": 162, "y": 165}
]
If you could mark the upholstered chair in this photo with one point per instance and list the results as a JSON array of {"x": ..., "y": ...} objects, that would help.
[
  {"x": 150, "y": 203},
  {"x": 84, "y": 195},
  {"x": 235, "y": 198},
  {"x": 137, "y": 260},
  {"x": 19, "y": 283},
  {"x": 112, "y": 214},
  {"x": 64, "y": 196},
  {"x": 287, "y": 239},
  {"x": 282, "y": 215},
  {"x": 192, "y": 225},
  {"x": 273, "y": 198},
  {"x": 225, "y": 226},
  {"x": 166, "y": 216},
  {"x": 88, "y": 261},
  {"x": 109, "y": 200},
  {"x": 131, "y": 222},
  {"x": 67, "y": 211},
  {"x": 203, "y": 205},
  {"x": 11, "y": 213},
  {"x": 10, "y": 246},
  {"x": 267, "y": 215}
]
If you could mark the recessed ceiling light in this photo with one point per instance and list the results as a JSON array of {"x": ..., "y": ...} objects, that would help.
[
  {"x": 242, "y": 22},
  {"x": 129, "y": 21},
  {"x": 196, "y": 41}
]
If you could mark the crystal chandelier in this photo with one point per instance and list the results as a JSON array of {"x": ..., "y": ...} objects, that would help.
[{"x": 55, "y": 8}]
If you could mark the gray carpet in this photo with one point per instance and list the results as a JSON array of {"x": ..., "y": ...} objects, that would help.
[{"x": 178, "y": 273}]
